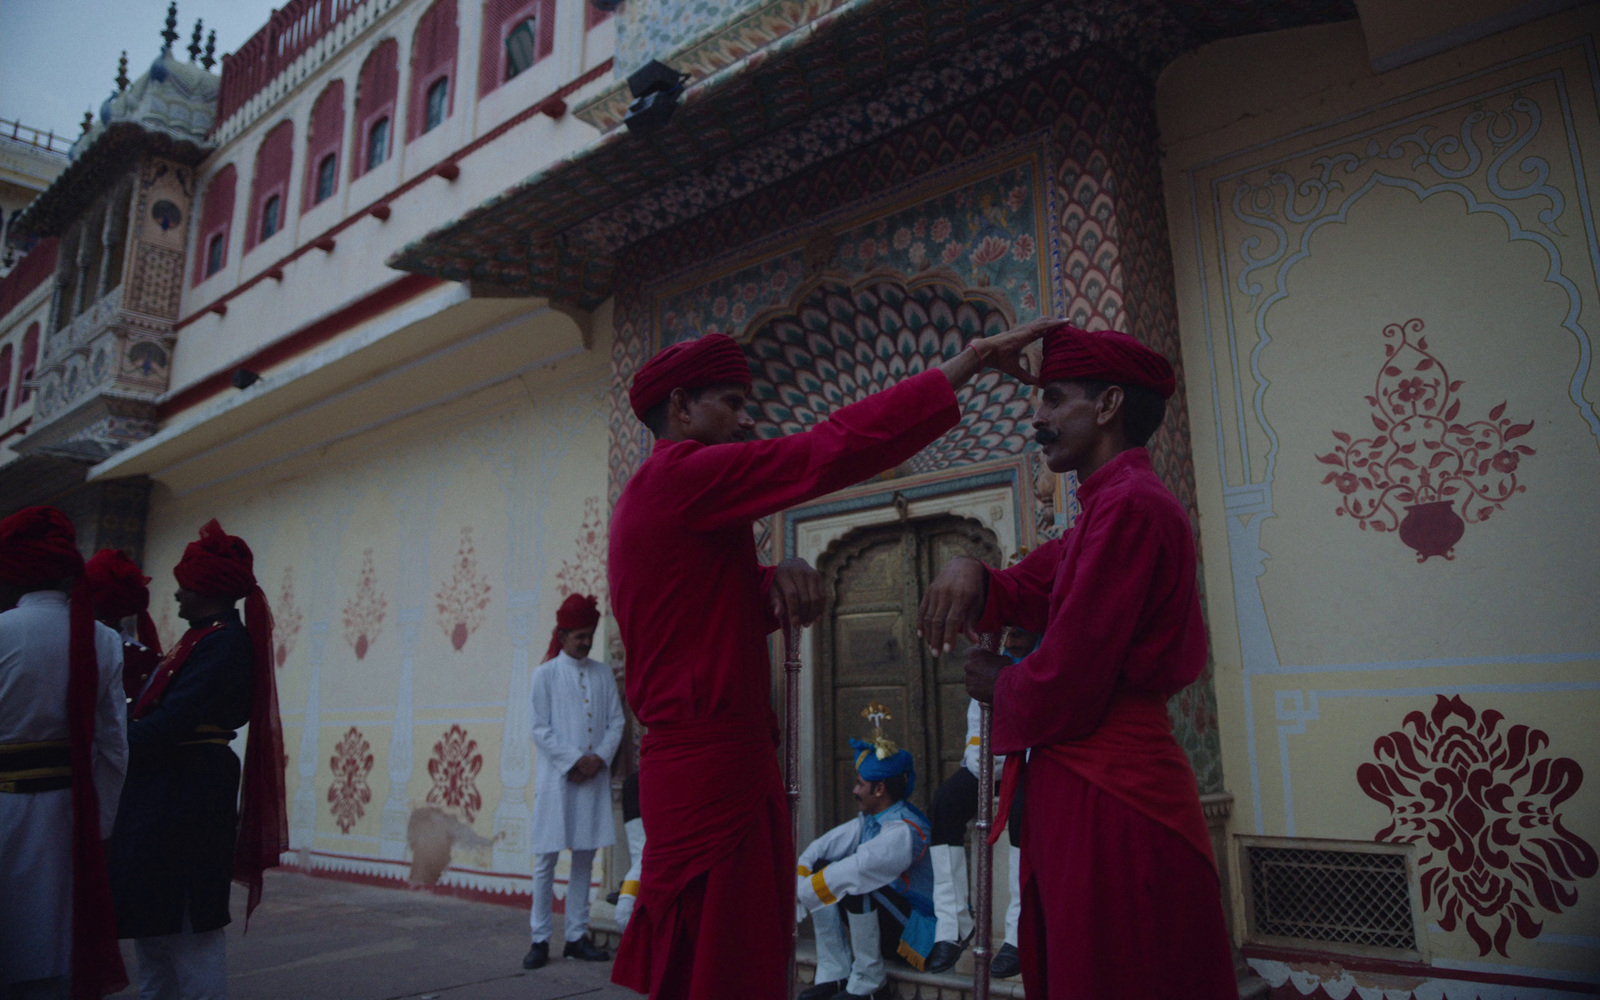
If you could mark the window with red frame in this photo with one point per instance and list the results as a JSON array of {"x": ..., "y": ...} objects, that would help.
[
  {"x": 376, "y": 90},
  {"x": 269, "y": 187},
  {"x": 5, "y": 377},
  {"x": 30, "y": 358},
  {"x": 433, "y": 67},
  {"x": 216, "y": 218},
  {"x": 516, "y": 34},
  {"x": 323, "y": 140}
]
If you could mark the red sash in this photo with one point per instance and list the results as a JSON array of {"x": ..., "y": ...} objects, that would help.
[
  {"x": 1133, "y": 757},
  {"x": 170, "y": 665}
]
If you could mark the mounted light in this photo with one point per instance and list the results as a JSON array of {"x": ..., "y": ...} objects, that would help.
[{"x": 655, "y": 87}]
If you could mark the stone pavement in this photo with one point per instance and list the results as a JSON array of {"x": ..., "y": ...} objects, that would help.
[{"x": 322, "y": 939}]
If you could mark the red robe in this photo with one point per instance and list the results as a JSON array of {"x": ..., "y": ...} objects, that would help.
[
  {"x": 715, "y": 913},
  {"x": 1120, "y": 896}
]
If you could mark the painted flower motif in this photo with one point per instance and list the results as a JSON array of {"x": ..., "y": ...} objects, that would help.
[
  {"x": 869, "y": 249},
  {"x": 349, "y": 793},
  {"x": 902, "y": 238},
  {"x": 918, "y": 252},
  {"x": 1347, "y": 482},
  {"x": 750, "y": 291},
  {"x": 1029, "y": 302},
  {"x": 919, "y": 229},
  {"x": 952, "y": 251},
  {"x": 454, "y": 768},
  {"x": 738, "y": 313},
  {"x": 1486, "y": 804},
  {"x": 940, "y": 231},
  {"x": 989, "y": 250},
  {"x": 1409, "y": 390},
  {"x": 779, "y": 281},
  {"x": 1505, "y": 461},
  {"x": 1016, "y": 198},
  {"x": 1022, "y": 249},
  {"x": 719, "y": 308}
]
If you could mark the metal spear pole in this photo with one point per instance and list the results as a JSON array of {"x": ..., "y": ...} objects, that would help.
[
  {"x": 791, "y": 751},
  {"x": 983, "y": 933}
]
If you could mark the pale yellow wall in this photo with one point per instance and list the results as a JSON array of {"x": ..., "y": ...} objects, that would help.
[
  {"x": 1313, "y": 202},
  {"x": 521, "y": 465}
]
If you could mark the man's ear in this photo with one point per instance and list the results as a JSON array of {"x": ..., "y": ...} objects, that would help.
[
  {"x": 1109, "y": 405},
  {"x": 678, "y": 405}
]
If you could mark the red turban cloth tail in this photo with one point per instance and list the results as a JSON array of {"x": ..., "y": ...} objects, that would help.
[
  {"x": 121, "y": 589},
  {"x": 222, "y": 565},
  {"x": 38, "y": 549},
  {"x": 713, "y": 359},
  {"x": 577, "y": 611},
  {"x": 1105, "y": 356}
]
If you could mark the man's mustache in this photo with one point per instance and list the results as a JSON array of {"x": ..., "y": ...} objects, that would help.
[{"x": 1046, "y": 436}]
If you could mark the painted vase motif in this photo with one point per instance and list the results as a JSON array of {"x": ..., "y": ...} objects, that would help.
[{"x": 1432, "y": 529}]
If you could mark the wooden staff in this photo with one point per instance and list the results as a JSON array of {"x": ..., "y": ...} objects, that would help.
[
  {"x": 791, "y": 751},
  {"x": 983, "y": 933}
]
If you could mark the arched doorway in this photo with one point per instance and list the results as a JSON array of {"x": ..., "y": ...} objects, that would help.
[{"x": 868, "y": 650}]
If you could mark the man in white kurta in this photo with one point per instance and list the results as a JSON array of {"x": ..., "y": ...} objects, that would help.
[
  {"x": 36, "y": 827},
  {"x": 577, "y": 727}
]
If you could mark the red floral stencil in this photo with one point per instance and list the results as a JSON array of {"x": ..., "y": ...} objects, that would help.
[
  {"x": 454, "y": 768},
  {"x": 286, "y": 620},
  {"x": 349, "y": 794},
  {"x": 363, "y": 613},
  {"x": 1486, "y": 804},
  {"x": 464, "y": 597},
  {"x": 586, "y": 573},
  {"x": 1425, "y": 459}
]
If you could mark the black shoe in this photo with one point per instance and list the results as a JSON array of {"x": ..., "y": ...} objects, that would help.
[
  {"x": 942, "y": 957},
  {"x": 823, "y": 991},
  {"x": 613, "y": 896},
  {"x": 1006, "y": 964},
  {"x": 585, "y": 950},
  {"x": 537, "y": 956},
  {"x": 884, "y": 992}
]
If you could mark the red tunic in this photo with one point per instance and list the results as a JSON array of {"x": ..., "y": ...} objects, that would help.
[
  {"x": 715, "y": 913},
  {"x": 1120, "y": 896}
]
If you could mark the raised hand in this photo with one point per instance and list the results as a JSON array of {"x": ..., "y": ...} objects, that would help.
[
  {"x": 1005, "y": 352},
  {"x": 797, "y": 596},
  {"x": 953, "y": 604}
]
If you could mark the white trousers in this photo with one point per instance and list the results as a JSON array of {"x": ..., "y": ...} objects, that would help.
[
  {"x": 183, "y": 966},
  {"x": 544, "y": 887}
]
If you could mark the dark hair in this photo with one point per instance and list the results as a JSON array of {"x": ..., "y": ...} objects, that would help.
[
  {"x": 895, "y": 786},
  {"x": 655, "y": 418},
  {"x": 1143, "y": 409}
]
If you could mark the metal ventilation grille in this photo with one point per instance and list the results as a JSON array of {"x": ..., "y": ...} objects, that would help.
[{"x": 1339, "y": 897}]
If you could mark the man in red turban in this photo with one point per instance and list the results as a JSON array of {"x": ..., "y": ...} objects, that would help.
[
  {"x": 1120, "y": 895},
  {"x": 63, "y": 754},
  {"x": 576, "y": 726},
  {"x": 179, "y": 839},
  {"x": 120, "y": 590},
  {"x": 715, "y": 910}
]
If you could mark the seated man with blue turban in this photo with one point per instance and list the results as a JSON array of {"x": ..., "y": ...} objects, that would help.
[{"x": 875, "y": 869}]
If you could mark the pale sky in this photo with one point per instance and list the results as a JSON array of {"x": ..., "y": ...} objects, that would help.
[{"x": 58, "y": 58}]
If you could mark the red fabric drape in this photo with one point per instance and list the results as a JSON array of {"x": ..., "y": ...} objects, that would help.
[{"x": 120, "y": 589}]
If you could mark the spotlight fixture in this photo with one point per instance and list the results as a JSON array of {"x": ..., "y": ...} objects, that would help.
[
  {"x": 656, "y": 88},
  {"x": 244, "y": 378}
]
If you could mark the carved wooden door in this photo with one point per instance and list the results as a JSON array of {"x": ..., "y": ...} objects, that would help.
[{"x": 869, "y": 652}]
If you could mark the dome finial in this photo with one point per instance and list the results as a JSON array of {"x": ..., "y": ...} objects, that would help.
[
  {"x": 194, "y": 41},
  {"x": 171, "y": 34},
  {"x": 210, "y": 59},
  {"x": 122, "y": 71},
  {"x": 88, "y": 121}
]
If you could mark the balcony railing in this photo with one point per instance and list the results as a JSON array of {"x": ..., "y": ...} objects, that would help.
[
  {"x": 47, "y": 141},
  {"x": 292, "y": 29}
]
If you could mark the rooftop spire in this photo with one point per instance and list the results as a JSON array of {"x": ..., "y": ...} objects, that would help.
[
  {"x": 88, "y": 121},
  {"x": 171, "y": 34},
  {"x": 210, "y": 58},
  {"x": 194, "y": 42},
  {"x": 122, "y": 71}
]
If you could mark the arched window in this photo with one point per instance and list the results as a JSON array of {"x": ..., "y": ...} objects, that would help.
[
  {"x": 30, "y": 358},
  {"x": 269, "y": 188},
  {"x": 322, "y": 145},
  {"x": 216, "y": 218},
  {"x": 67, "y": 277},
  {"x": 376, "y": 89},
  {"x": 117, "y": 237},
  {"x": 5, "y": 377},
  {"x": 516, "y": 34},
  {"x": 433, "y": 67}
]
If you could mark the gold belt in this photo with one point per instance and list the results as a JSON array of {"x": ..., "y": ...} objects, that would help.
[{"x": 30, "y": 768}]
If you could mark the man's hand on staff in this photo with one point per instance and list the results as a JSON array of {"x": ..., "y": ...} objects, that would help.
[
  {"x": 953, "y": 604},
  {"x": 983, "y": 668},
  {"x": 797, "y": 596},
  {"x": 587, "y": 767}
]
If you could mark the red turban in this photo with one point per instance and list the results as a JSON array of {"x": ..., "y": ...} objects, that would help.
[
  {"x": 39, "y": 548},
  {"x": 221, "y": 565},
  {"x": 120, "y": 589},
  {"x": 1105, "y": 356},
  {"x": 577, "y": 611},
  {"x": 709, "y": 360}
]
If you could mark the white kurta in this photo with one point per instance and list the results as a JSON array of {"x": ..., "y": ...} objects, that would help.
[
  {"x": 854, "y": 868},
  {"x": 36, "y": 830},
  {"x": 969, "y": 758},
  {"x": 576, "y": 711}
]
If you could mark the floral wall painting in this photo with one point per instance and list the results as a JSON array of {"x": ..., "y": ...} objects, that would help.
[
  {"x": 453, "y": 767},
  {"x": 363, "y": 613},
  {"x": 287, "y": 620},
  {"x": 1484, "y": 804},
  {"x": 1428, "y": 471},
  {"x": 585, "y": 573},
  {"x": 462, "y": 599},
  {"x": 349, "y": 793}
]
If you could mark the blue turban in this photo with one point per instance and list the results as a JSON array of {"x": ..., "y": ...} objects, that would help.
[{"x": 874, "y": 767}]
